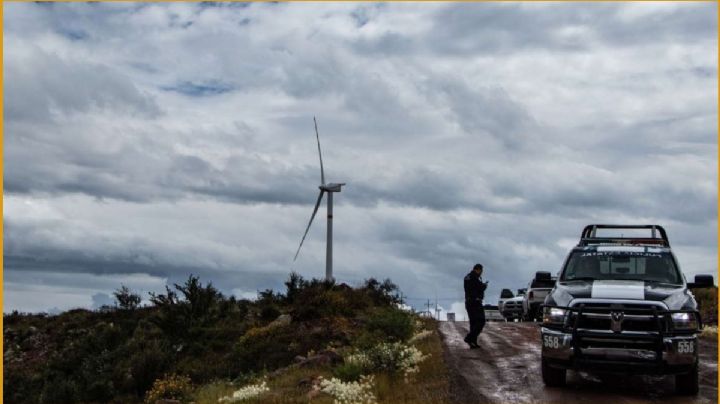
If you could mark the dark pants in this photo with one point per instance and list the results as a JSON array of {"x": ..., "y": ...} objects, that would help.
[{"x": 476, "y": 315}]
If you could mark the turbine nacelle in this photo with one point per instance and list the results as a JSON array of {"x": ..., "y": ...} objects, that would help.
[{"x": 331, "y": 187}]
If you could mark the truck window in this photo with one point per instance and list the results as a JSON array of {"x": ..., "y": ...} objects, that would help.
[{"x": 653, "y": 267}]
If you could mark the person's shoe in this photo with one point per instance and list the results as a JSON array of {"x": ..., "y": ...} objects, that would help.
[
  {"x": 474, "y": 345},
  {"x": 471, "y": 344}
]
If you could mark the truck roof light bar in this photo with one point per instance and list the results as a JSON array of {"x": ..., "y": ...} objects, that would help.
[{"x": 589, "y": 235}]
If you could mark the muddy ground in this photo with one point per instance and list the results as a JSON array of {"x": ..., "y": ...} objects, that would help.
[{"x": 506, "y": 369}]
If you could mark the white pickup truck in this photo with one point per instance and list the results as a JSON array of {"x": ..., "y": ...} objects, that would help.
[{"x": 537, "y": 290}]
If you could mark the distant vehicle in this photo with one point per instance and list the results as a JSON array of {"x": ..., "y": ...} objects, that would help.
[
  {"x": 504, "y": 295},
  {"x": 622, "y": 304},
  {"x": 512, "y": 308},
  {"x": 538, "y": 289}
]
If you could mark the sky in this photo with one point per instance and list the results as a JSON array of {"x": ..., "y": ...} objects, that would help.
[{"x": 145, "y": 142}]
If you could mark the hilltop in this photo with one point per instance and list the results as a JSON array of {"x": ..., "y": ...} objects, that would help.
[{"x": 196, "y": 345}]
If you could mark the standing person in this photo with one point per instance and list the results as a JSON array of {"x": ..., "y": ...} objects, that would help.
[{"x": 474, "y": 294}]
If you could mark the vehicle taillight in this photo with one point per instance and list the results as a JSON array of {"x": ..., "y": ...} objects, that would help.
[{"x": 530, "y": 295}]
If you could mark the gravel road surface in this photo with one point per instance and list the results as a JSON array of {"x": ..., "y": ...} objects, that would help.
[{"x": 506, "y": 369}]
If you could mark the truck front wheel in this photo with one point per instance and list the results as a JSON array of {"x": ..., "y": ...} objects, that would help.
[
  {"x": 553, "y": 377},
  {"x": 687, "y": 384}
]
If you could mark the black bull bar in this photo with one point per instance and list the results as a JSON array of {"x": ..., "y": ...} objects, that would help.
[{"x": 661, "y": 317}]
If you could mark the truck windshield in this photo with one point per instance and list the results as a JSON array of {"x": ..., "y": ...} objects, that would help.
[{"x": 641, "y": 266}]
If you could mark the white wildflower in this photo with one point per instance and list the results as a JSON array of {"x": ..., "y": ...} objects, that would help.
[
  {"x": 393, "y": 357},
  {"x": 410, "y": 358},
  {"x": 246, "y": 392},
  {"x": 360, "y": 359},
  {"x": 359, "y": 392}
]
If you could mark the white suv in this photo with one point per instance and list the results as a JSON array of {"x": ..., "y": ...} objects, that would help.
[{"x": 505, "y": 294}]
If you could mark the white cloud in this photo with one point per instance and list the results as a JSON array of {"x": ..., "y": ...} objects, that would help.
[{"x": 167, "y": 139}]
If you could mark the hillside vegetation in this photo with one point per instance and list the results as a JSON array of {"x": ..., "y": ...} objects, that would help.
[
  {"x": 316, "y": 341},
  {"x": 707, "y": 304}
]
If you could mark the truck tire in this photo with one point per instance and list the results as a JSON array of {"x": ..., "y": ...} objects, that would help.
[
  {"x": 687, "y": 384},
  {"x": 553, "y": 377}
]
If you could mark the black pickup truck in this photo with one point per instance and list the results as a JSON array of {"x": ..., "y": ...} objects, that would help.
[{"x": 622, "y": 304}]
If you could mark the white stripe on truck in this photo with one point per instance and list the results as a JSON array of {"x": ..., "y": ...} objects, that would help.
[{"x": 618, "y": 290}]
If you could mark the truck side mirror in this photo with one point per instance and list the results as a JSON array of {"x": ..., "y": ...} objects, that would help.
[
  {"x": 702, "y": 281},
  {"x": 542, "y": 276}
]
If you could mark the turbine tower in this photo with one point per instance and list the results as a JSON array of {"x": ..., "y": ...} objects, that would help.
[{"x": 330, "y": 189}]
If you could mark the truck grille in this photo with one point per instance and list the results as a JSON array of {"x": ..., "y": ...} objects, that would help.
[
  {"x": 628, "y": 317},
  {"x": 613, "y": 331}
]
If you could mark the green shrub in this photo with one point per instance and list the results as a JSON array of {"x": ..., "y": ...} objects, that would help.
[
  {"x": 324, "y": 299},
  {"x": 269, "y": 312},
  {"x": 126, "y": 299},
  {"x": 59, "y": 390},
  {"x": 147, "y": 364},
  {"x": 349, "y": 372},
  {"x": 382, "y": 293},
  {"x": 275, "y": 345},
  {"x": 386, "y": 325},
  {"x": 265, "y": 348},
  {"x": 95, "y": 374}
]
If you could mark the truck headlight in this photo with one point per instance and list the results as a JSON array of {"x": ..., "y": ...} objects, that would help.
[
  {"x": 554, "y": 315},
  {"x": 684, "y": 321}
]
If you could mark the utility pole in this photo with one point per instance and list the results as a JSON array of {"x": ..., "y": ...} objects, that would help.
[{"x": 428, "y": 305}]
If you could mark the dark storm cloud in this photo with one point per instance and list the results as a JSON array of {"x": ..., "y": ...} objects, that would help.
[
  {"x": 134, "y": 175},
  {"x": 29, "y": 269},
  {"x": 199, "y": 89}
]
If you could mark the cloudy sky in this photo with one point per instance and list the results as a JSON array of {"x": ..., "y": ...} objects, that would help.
[{"x": 145, "y": 142}]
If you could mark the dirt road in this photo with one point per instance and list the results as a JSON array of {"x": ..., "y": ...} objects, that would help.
[{"x": 506, "y": 369}]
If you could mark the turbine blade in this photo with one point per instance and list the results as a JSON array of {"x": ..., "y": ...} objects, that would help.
[
  {"x": 317, "y": 205},
  {"x": 322, "y": 171}
]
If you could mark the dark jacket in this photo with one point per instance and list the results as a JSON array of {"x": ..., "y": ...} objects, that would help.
[{"x": 474, "y": 287}]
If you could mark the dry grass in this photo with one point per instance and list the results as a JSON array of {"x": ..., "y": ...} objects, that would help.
[
  {"x": 709, "y": 331},
  {"x": 429, "y": 385}
]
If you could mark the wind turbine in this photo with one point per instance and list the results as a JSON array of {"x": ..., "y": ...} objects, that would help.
[{"x": 330, "y": 188}]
